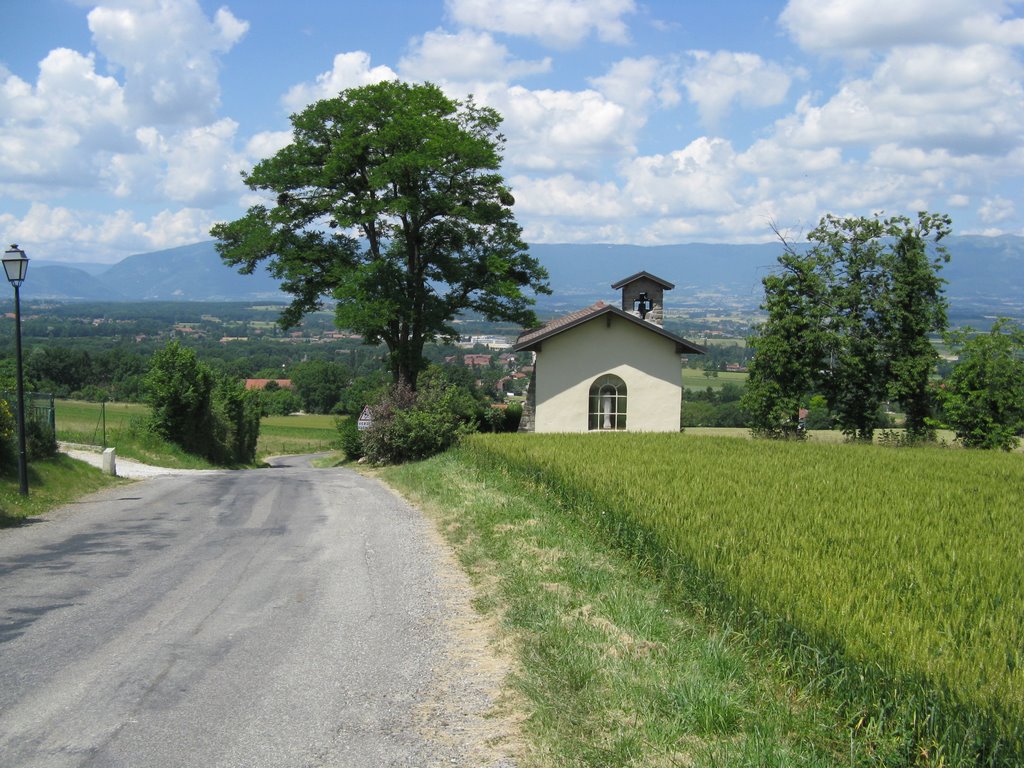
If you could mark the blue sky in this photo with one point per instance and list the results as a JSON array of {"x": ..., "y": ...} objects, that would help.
[{"x": 124, "y": 124}]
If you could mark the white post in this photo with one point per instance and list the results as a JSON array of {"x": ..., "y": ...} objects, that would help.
[{"x": 109, "y": 462}]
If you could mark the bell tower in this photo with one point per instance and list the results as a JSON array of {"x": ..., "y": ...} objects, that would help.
[{"x": 643, "y": 294}]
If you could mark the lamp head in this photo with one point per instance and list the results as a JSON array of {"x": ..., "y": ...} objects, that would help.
[{"x": 15, "y": 265}]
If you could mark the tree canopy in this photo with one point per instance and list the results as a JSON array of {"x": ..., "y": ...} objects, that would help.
[
  {"x": 984, "y": 396},
  {"x": 850, "y": 318},
  {"x": 389, "y": 200}
]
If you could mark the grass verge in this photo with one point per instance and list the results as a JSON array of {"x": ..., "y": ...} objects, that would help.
[
  {"x": 52, "y": 483},
  {"x": 612, "y": 670}
]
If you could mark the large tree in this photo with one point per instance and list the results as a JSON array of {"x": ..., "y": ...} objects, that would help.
[
  {"x": 914, "y": 307},
  {"x": 389, "y": 200},
  {"x": 850, "y": 317}
]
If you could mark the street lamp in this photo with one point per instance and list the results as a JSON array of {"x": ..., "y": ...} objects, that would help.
[{"x": 16, "y": 267}]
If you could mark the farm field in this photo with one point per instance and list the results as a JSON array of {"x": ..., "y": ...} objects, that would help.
[
  {"x": 892, "y": 577},
  {"x": 82, "y": 422},
  {"x": 694, "y": 378},
  {"x": 308, "y": 433}
]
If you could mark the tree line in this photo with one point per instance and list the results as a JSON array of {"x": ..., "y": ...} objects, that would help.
[{"x": 850, "y": 326}]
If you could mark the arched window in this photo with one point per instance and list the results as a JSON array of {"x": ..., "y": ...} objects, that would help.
[{"x": 608, "y": 403}]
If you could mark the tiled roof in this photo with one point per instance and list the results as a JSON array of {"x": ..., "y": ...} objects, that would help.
[
  {"x": 531, "y": 339},
  {"x": 566, "y": 320}
]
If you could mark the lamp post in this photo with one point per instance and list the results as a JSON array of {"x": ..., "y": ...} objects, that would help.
[{"x": 16, "y": 267}]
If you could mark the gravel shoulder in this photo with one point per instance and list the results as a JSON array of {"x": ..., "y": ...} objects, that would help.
[{"x": 133, "y": 470}]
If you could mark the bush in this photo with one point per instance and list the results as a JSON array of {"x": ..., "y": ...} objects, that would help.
[
  {"x": 209, "y": 416},
  {"x": 236, "y": 418},
  {"x": 40, "y": 440},
  {"x": 91, "y": 393},
  {"x": 409, "y": 426},
  {"x": 498, "y": 418},
  {"x": 351, "y": 439},
  {"x": 8, "y": 435},
  {"x": 513, "y": 415},
  {"x": 179, "y": 391}
]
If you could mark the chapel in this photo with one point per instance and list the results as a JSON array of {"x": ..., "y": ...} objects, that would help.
[{"x": 607, "y": 368}]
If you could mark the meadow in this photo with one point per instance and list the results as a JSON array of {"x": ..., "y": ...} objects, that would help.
[
  {"x": 120, "y": 425},
  {"x": 694, "y": 378},
  {"x": 892, "y": 578}
]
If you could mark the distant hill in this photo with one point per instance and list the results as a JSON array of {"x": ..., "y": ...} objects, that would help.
[
  {"x": 985, "y": 275},
  {"x": 189, "y": 273}
]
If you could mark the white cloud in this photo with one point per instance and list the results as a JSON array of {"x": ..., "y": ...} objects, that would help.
[
  {"x": 267, "y": 143},
  {"x": 551, "y": 130},
  {"x": 198, "y": 166},
  {"x": 60, "y": 233},
  {"x": 636, "y": 83},
  {"x": 75, "y": 128},
  {"x": 994, "y": 210},
  {"x": 861, "y": 25},
  {"x": 770, "y": 158},
  {"x": 717, "y": 80},
  {"x": 168, "y": 53},
  {"x": 968, "y": 100},
  {"x": 202, "y": 167},
  {"x": 464, "y": 56},
  {"x": 350, "y": 70},
  {"x": 558, "y": 23},
  {"x": 565, "y": 196},
  {"x": 53, "y": 130},
  {"x": 702, "y": 177}
]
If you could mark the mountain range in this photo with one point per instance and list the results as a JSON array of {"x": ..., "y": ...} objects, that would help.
[{"x": 985, "y": 275}]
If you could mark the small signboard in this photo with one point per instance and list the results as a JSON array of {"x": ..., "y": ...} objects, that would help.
[{"x": 365, "y": 419}]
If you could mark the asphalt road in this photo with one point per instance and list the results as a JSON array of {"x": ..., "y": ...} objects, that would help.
[{"x": 277, "y": 617}]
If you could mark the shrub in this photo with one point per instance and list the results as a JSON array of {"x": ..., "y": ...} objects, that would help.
[
  {"x": 513, "y": 414},
  {"x": 818, "y": 414},
  {"x": 209, "y": 416},
  {"x": 8, "y": 434},
  {"x": 408, "y": 426},
  {"x": 502, "y": 419},
  {"x": 179, "y": 389},
  {"x": 236, "y": 418},
  {"x": 40, "y": 440},
  {"x": 351, "y": 439},
  {"x": 91, "y": 393}
]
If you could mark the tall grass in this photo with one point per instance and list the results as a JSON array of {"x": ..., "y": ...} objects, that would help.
[{"x": 894, "y": 577}]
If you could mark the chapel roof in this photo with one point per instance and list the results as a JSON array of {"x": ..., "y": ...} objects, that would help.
[{"x": 531, "y": 340}]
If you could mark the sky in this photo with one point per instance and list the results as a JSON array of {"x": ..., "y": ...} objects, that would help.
[{"x": 125, "y": 125}]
